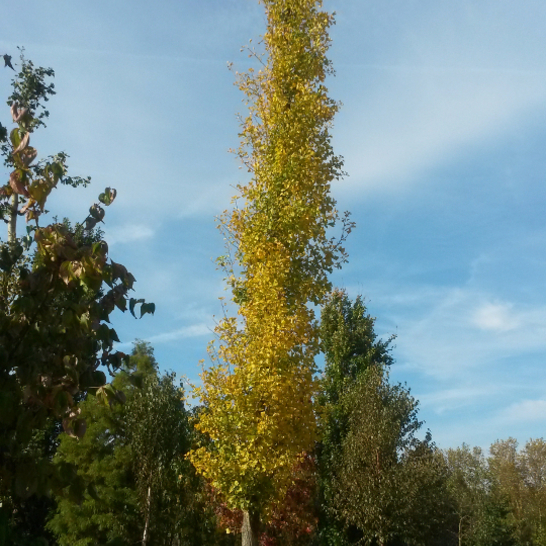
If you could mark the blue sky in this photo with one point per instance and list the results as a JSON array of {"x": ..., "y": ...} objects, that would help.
[{"x": 443, "y": 131}]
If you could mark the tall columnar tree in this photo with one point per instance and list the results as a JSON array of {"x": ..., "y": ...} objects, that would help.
[
  {"x": 350, "y": 347},
  {"x": 259, "y": 391}
]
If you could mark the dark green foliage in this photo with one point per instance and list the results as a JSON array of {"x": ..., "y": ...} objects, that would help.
[
  {"x": 350, "y": 346},
  {"x": 28, "y": 515},
  {"x": 131, "y": 459},
  {"x": 349, "y": 343},
  {"x": 387, "y": 484},
  {"x": 58, "y": 289},
  {"x": 379, "y": 483},
  {"x": 104, "y": 461}
]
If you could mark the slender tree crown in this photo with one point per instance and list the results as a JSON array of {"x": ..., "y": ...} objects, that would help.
[{"x": 259, "y": 391}]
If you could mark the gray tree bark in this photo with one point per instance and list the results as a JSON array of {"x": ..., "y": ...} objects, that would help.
[
  {"x": 250, "y": 529},
  {"x": 145, "y": 534},
  {"x": 12, "y": 224}
]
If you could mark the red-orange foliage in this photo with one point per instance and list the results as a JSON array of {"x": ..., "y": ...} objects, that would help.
[
  {"x": 291, "y": 521},
  {"x": 294, "y": 520}
]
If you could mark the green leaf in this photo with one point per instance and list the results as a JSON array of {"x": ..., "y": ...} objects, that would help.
[
  {"x": 67, "y": 472},
  {"x": 61, "y": 402},
  {"x": 117, "y": 358},
  {"x": 76, "y": 491},
  {"x": 15, "y": 137},
  {"x": 57, "y": 170},
  {"x": 147, "y": 308},
  {"x": 92, "y": 490},
  {"x": 96, "y": 212},
  {"x": 116, "y": 542},
  {"x": 90, "y": 223},
  {"x": 114, "y": 335},
  {"x": 137, "y": 379},
  {"x": 121, "y": 303},
  {"x": 79, "y": 427},
  {"x": 107, "y": 198},
  {"x": 120, "y": 397},
  {"x": 132, "y": 303},
  {"x": 99, "y": 378},
  {"x": 107, "y": 394}
]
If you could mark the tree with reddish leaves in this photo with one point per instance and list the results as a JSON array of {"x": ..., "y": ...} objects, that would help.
[
  {"x": 291, "y": 521},
  {"x": 58, "y": 288}
]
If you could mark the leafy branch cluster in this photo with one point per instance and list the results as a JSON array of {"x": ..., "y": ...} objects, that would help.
[{"x": 59, "y": 288}]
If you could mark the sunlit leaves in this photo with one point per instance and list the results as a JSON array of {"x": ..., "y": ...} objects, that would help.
[
  {"x": 32, "y": 182},
  {"x": 259, "y": 392},
  {"x": 108, "y": 196}
]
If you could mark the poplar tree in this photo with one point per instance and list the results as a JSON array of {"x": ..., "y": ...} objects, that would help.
[
  {"x": 351, "y": 347},
  {"x": 258, "y": 393}
]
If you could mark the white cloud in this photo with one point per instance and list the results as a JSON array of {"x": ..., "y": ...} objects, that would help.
[
  {"x": 445, "y": 84},
  {"x": 129, "y": 233},
  {"x": 524, "y": 412},
  {"x": 445, "y": 331},
  {"x": 195, "y": 330},
  {"x": 453, "y": 398},
  {"x": 451, "y": 112},
  {"x": 496, "y": 317},
  {"x": 186, "y": 332}
]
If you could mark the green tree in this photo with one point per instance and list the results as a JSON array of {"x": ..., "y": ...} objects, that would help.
[
  {"x": 350, "y": 347},
  {"x": 386, "y": 482},
  {"x": 58, "y": 291},
  {"x": 518, "y": 482},
  {"x": 481, "y": 517},
  {"x": 468, "y": 489},
  {"x": 532, "y": 461},
  {"x": 159, "y": 436},
  {"x": 427, "y": 510},
  {"x": 140, "y": 488}
]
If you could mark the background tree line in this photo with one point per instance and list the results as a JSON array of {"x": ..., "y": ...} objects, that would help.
[{"x": 370, "y": 480}]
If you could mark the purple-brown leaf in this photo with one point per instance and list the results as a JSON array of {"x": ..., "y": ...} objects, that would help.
[{"x": 17, "y": 184}]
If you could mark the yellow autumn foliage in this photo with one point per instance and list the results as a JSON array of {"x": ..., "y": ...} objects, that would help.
[{"x": 258, "y": 394}]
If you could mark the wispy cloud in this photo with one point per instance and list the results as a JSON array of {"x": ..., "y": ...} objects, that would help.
[
  {"x": 445, "y": 330},
  {"x": 195, "y": 330},
  {"x": 524, "y": 412},
  {"x": 129, "y": 233},
  {"x": 451, "y": 111},
  {"x": 453, "y": 398},
  {"x": 446, "y": 83}
]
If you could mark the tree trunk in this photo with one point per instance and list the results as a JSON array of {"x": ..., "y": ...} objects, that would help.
[
  {"x": 12, "y": 225},
  {"x": 145, "y": 534},
  {"x": 460, "y": 531},
  {"x": 251, "y": 526}
]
